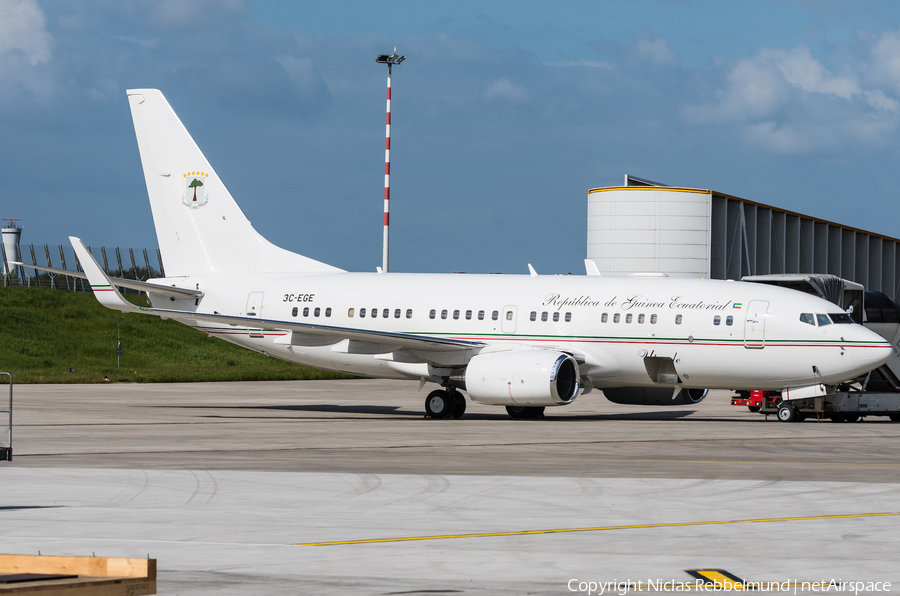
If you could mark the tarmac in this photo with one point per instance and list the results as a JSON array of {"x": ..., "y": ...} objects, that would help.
[{"x": 340, "y": 487}]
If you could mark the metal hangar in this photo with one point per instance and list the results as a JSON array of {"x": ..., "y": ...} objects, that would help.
[{"x": 648, "y": 227}]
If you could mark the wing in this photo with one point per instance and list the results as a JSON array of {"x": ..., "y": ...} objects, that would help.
[{"x": 291, "y": 332}]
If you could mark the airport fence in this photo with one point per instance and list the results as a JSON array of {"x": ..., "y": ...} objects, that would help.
[{"x": 139, "y": 264}]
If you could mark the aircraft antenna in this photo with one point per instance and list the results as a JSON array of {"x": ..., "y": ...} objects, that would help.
[{"x": 390, "y": 61}]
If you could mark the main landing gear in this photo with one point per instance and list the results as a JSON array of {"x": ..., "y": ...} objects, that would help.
[
  {"x": 445, "y": 404},
  {"x": 525, "y": 411}
]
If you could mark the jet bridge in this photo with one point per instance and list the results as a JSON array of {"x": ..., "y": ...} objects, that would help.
[
  {"x": 876, "y": 393},
  {"x": 6, "y": 451}
]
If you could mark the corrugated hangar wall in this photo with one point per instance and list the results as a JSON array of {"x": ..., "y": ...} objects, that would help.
[{"x": 684, "y": 232}]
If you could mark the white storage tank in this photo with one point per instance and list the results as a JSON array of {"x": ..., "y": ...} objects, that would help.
[{"x": 644, "y": 229}]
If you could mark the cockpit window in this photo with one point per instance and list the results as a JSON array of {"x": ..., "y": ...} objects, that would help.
[
  {"x": 823, "y": 320},
  {"x": 841, "y": 318},
  {"x": 808, "y": 319}
]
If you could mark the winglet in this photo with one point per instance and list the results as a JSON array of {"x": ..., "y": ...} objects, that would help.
[
  {"x": 590, "y": 268},
  {"x": 102, "y": 286},
  {"x": 532, "y": 271}
]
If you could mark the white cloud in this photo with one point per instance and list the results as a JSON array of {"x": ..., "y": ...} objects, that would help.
[
  {"x": 22, "y": 28},
  {"x": 305, "y": 75},
  {"x": 504, "y": 89},
  {"x": 582, "y": 63},
  {"x": 175, "y": 14},
  {"x": 788, "y": 102},
  {"x": 656, "y": 51},
  {"x": 885, "y": 67}
]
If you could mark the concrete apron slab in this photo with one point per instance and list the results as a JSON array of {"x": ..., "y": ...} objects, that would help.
[{"x": 237, "y": 532}]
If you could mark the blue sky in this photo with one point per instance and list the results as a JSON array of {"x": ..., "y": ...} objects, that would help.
[{"x": 504, "y": 114}]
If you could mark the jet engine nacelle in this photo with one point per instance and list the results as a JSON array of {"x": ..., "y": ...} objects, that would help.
[
  {"x": 521, "y": 378},
  {"x": 654, "y": 396}
]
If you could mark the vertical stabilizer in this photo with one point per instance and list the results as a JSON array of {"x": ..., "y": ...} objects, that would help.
[{"x": 200, "y": 228}]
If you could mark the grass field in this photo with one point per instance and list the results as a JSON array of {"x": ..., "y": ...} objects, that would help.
[{"x": 44, "y": 333}]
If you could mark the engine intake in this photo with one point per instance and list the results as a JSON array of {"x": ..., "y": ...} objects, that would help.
[
  {"x": 654, "y": 396},
  {"x": 520, "y": 378}
]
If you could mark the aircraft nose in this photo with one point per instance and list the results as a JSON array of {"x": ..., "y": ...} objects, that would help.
[{"x": 870, "y": 350}]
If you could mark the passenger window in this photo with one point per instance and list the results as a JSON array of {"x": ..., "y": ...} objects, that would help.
[
  {"x": 350, "y": 313},
  {"x": 533, "y": 316},
  {"x": 432, "y": 314},
  {"x": 717, "y": 320},
  {"x": 468, "y": 315},
  {"x": 362, "y": 313},
  {"x": 568, "y": 317},
  {"x": 480, "y": 315},
  {"x": 653, "y": 319},
  {"x": 495, "y": 315},
  {"x": 628, "y": 318},
  {"x": 455, "y": 314},
  {"x": 509, "y": 315},
  {"x": 678, "y": 319},
  {"x": 808, "y": 319},
  {"x": 603, "y": 318},
  {"x": 408, "y": 313},
  {"x": 295, "y": 311},
  {"x": 386, "y": 313},
  {"x": 729, "y": 320},
  {"x": 317, "y": 311},
  {"x": 397, "y": 313},
  {"x": 641, "y": 318},
  {"x": 306, "y": 312},
  {"x": 823, "y": 320},
  {"x": 616, "y": 318},
  {"x": 444, "y": 314},
  {"x": 556, "y": 316},
  {"x": 544, "y": 316},
  {"x": 328, "y": 312}
]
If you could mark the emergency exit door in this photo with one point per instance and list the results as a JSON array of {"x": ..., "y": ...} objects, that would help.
[{"x": 755, "y": 324}]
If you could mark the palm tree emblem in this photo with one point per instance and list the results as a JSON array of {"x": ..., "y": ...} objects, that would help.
[
  {"x": 194, "y": 185},
  {"x": 196, "y": 182}
]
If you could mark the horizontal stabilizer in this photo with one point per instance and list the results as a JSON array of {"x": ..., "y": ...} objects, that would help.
[{"x": 131, "y": 284}]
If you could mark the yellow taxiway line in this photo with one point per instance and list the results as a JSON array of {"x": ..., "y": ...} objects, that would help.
[
  {"x": 596, "y": 529},
  {"x": 702, "y": 461}
]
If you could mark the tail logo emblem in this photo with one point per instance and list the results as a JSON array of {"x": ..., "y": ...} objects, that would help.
[{"x": 195, "y": 190}]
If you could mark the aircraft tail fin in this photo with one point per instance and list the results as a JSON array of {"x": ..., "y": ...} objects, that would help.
[{"x": 200, "y": 228}]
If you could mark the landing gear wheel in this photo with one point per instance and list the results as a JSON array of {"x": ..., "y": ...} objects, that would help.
[
  {"x": 459, "y": 404},
  {"x": 753, "y": 409},
  {"x": 439, "y": 404},
  {"x": 525, "y": 411},
  {"x": 787, "y": 413}
]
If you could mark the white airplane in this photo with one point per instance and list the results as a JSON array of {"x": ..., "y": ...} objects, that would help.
[{"x": 520, "y": 341}]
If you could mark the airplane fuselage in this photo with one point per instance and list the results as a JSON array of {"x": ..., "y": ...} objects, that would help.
[{"x": 719, "y": 334}]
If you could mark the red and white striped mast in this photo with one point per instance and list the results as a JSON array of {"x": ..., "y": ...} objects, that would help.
[{"x": 390, "y": 61}]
